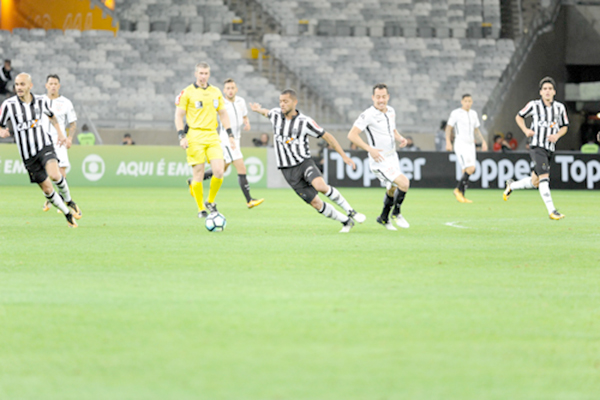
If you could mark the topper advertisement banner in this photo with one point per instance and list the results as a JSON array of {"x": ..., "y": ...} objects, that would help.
[{"x": 569, "y": 170}]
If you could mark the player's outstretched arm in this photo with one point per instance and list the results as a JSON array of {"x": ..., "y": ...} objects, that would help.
[
  {"x": 332, "y": 141},
  {"x": 257, "y": 108}
]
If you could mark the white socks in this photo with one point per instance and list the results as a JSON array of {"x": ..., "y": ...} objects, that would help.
[
  {"x": 336, "y": 196},
  {"x": 524, "y": 183},
  {"x": 57, "y": 202},
  {"x": 544, "y": 189},
  {"x": 330, "y": 212},
  {"x": 63, "y": 188}
]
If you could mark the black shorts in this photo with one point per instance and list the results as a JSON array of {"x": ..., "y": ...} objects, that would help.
[
  {"x": 540, "y": 160},
  {"x": 36, "y": 165},
  {"x": 300, "y": 179}
]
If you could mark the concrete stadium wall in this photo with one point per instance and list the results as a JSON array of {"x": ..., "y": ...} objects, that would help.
[{"x": 583, "y": 35}]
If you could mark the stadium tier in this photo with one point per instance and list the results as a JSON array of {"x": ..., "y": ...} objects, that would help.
[
  {"x": 409, "y": 18},
  {"x": 426, "y": 76},
  {"x": 133, "y": 77},
  {"x": 173, "y": 15}
]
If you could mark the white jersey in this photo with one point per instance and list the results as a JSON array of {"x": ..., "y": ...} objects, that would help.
[
  {"x": 236, "y": 110},
  {"x": 464, "y": 124},
  {"x": 63, "y": 111},
  {"x": 379, "y": 128}
]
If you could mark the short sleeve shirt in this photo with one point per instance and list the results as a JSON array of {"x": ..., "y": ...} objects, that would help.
[{"x": 201, "y": 106}]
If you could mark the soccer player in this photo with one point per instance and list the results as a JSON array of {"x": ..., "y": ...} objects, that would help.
[
  {"x": 35, "y": 144},
  {"x": 550, "y": 123},
  {"x": 379, "y": 122},
  {"x": 238, "y": 116},
  {"x": 291, "y": 130},
  {"x": 63, "y": 109},
  {"x": 200, "y": 103},
  {"x": 465, "y": 124}
]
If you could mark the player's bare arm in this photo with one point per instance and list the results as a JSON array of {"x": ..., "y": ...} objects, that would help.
[
  {"x": 484, "y": 146},
  {"x": 257, "y": 108},
  {"x": 400, "y": 139},
  {"x": 224, "y": 117},
  {"x": 448, "y": 138},
  {"x": 561, "y": 132},
  {"x": 521, "y": 122},
  {"x": 354, "y": 137},
  {"x": 62, "y": 140},
  {"x": 246, "y": 123},
  {"x": 332, "y": 141},
  {"x": 4, "y": 133},
  {"x": 179, "y": 125},
  {"x": 70, "y": 131}
]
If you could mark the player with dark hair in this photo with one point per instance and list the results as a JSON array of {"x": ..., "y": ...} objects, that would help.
[
  {"x": 549, "y": 123},
  {"x": 35, "y": 144},
  {"x": 465, "y": 124},
  {"x": 291, "y": 130},
  {"x": 379, "y": 123}
]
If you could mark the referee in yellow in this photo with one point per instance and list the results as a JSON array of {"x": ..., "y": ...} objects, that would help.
[{"x": 199, "y": 103}]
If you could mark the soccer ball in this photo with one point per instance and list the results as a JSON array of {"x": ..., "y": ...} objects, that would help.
[{"x": 215, "y": 222}]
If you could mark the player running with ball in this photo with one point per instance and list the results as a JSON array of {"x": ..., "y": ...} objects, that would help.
[{"x": 291, "y": 130}]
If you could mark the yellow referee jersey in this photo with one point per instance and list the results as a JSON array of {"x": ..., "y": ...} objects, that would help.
[{"x": 201, "y": 106}]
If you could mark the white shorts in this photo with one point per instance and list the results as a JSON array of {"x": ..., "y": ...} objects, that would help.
[
  {"x": 465, "y": 154},
  {"x": 387, "y": 170},
  {"x": 63, "y": 156},
  {"x": 230, "y": 155}
]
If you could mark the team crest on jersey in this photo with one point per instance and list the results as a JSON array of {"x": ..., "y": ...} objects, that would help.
[
  {"x": 198, "y": 104},
  {"x": 216, "y": 103}
]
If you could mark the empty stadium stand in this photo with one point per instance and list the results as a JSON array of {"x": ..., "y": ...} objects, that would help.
[
  {"x": 408, "y": 18},
  {"x": 133, "y": 78},
  {"x": 426, "y": 76}
]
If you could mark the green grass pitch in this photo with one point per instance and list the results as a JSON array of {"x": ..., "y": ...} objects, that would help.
[{"x": 490, "y": 300}]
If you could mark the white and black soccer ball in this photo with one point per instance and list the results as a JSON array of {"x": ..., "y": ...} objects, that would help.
[{"x": 215, "y": 222}]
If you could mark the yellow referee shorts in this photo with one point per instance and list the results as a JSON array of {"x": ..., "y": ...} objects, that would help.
[{"x": 203, "y": 146}]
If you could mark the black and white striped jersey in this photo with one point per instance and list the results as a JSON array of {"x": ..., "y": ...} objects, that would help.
[
  {"x": 28, "y": 129},
  {"x": 379, "y": 127},
  {"x": 290, "y": 137},
  {"x": 546, "y": 121}
]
